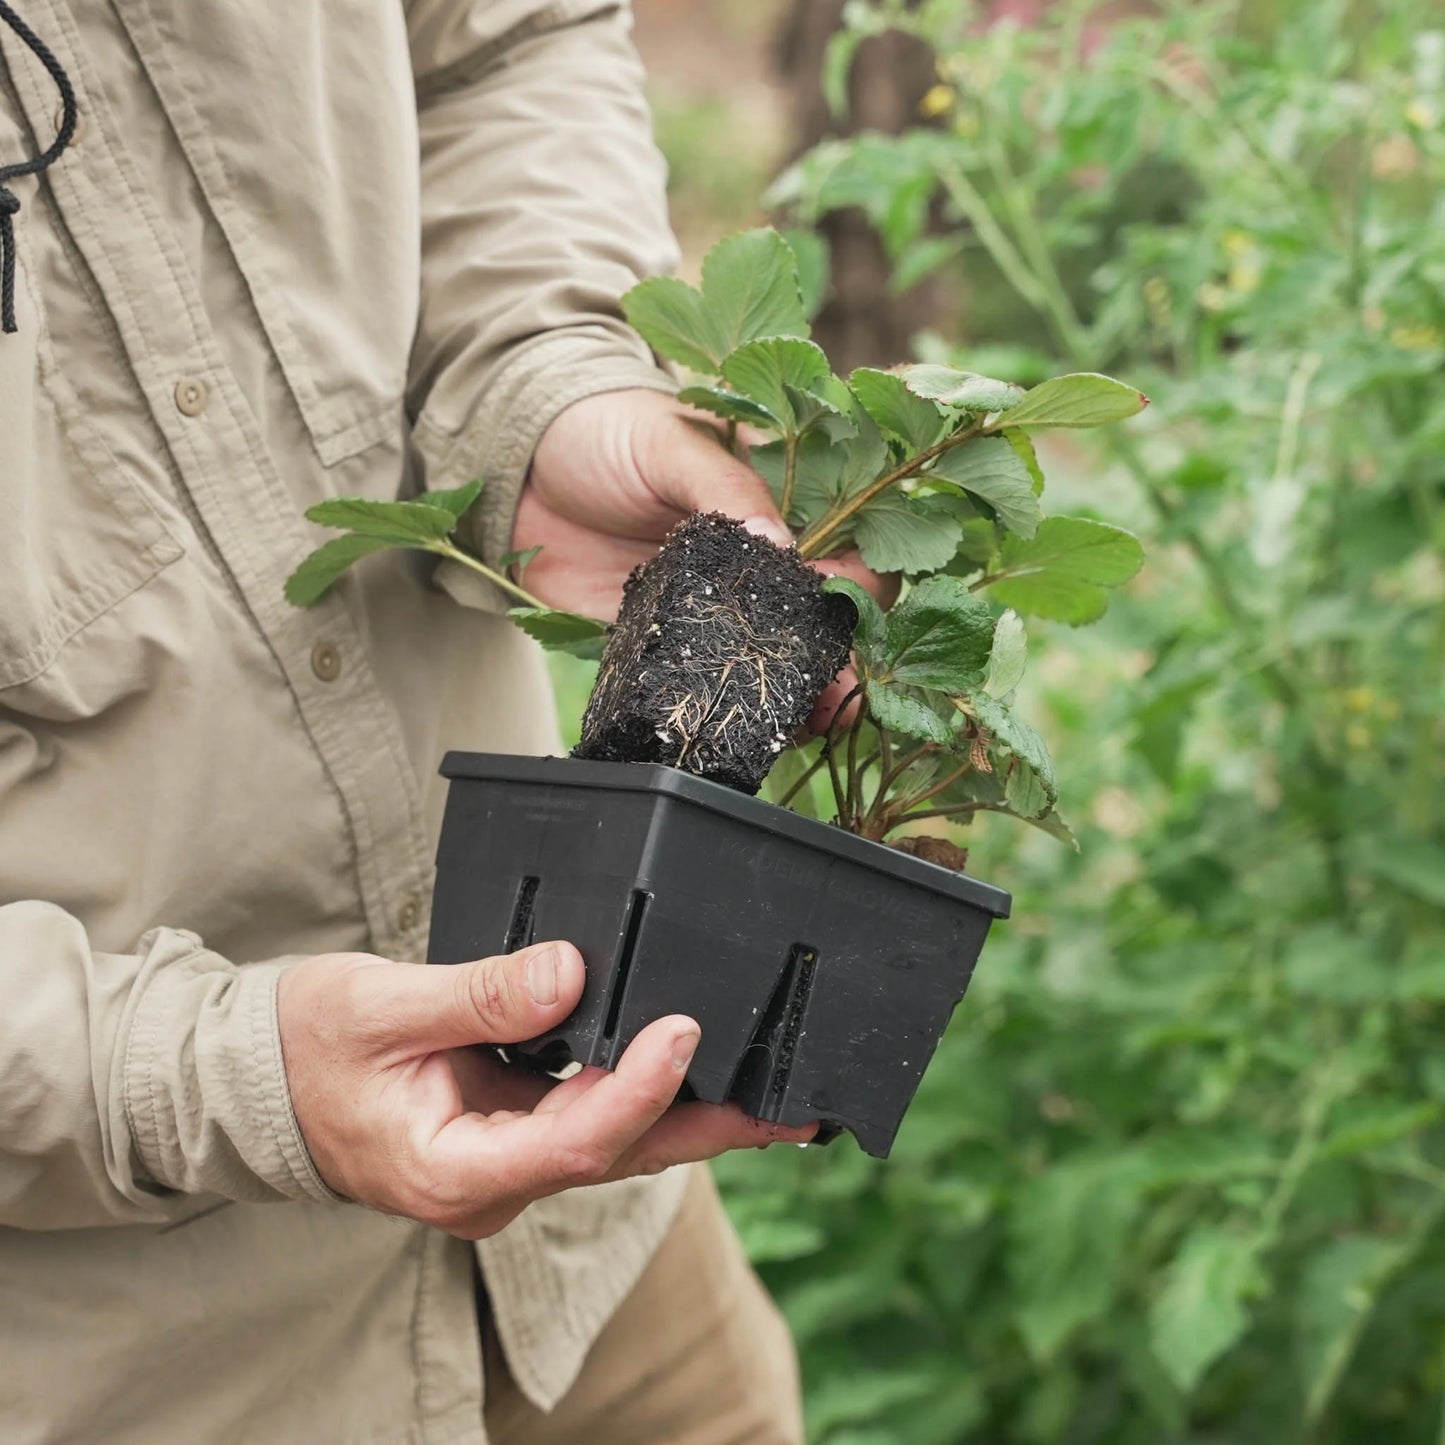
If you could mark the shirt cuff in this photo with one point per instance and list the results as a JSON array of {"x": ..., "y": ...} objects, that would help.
[
  {"x": 498, "y": 443},
  {"x": 204, "y": 1086}
]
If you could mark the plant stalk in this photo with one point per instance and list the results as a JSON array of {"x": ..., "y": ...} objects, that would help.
[
  {"x": 790, "y": 473},
  {"x": 815, "y": 542},
  {"x": 455, "y": 554}
]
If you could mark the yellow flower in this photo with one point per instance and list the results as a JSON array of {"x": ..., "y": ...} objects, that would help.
[
  {"x": 937, "y": 100},
  {"x": 1360, "y": 699},
  {"x": 1236, "y": 243}
]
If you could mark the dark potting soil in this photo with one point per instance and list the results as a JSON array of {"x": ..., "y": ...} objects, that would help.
[{"x": 722, "y": 646}]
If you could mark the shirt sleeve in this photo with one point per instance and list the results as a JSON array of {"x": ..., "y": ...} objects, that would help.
[
  {"x": 132, "y": 1083},
  {"x": 543, "y": 199}
]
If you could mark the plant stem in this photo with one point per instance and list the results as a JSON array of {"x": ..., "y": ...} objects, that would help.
[
  {"x": 855, "y": 791},
  {"x": 954, "y": 810},
  {"x": 801, "y": 781},
  {"x": 932, "y": 792},
  {"x": 891, "y": 773},
  {"x": 790, "y": 473},
  {"x": 815, "y": 541},
  {"x": 1321, "y": 1096},
  {"x": 455, "y": 554},
  {"x": 1053, "y": 294},
  {"x": 1372, "y": 1289},
  {"x": 1005, "y": 255},
  {"x": 829, "y": 740}
]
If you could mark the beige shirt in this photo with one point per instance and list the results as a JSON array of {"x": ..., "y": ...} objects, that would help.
[{"x": 298, "y": 250}]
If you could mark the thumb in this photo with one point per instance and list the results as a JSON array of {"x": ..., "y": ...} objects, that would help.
[
  {"x": 693, "y": 472},
  {"x": 492, "y": 1001}
]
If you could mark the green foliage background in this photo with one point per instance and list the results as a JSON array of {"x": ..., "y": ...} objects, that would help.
[{"x": 1178, "y": 1170}]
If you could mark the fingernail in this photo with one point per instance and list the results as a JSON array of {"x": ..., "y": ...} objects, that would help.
[
  {"x": 684, "y": 1046},
  {"x": 767, "y": 527},
  {"x": 542, "y": 976}
]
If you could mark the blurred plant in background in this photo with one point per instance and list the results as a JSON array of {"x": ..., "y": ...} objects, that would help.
[{"x": 1178, "y": 1172}]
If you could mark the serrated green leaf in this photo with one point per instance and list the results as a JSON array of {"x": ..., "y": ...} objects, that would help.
[
  {"x": 1056, "y": 826},
  {"x": 668, "y": 314},
  {"x": 902, "y": 711},
  {"x": 989, "y": 469},
  {"x": 311, "y": 581},
  {"x": 1023, "y": 444},
  {"x": 1008, "y": 657},
  {"x": 962, "y": 390},
  {"x": 896, "y": 533},
  {"x": 559, "y": 631},
  {"x": 870, "y": 637},
  {"x": 455, "y": 500},
  {"x": 1200, "y": 1313},
  {"x": 865, "y": 455},
  {"x": 979, "y": 544},
  {"x": 772, "y": 370},
  {"x": 900, "y": 413},
  {"x": 727, "y": 404},
  {"x": 1064, "y": 570},
  {"x": 1082, "y": 399},
  {"x": 810, "y": 254},
  {"x": 1023, "y": 791},
  {"x": 417, "y": 523},
  {"x": 939, "y": 636},
  {"x": 750, "y": 290}
]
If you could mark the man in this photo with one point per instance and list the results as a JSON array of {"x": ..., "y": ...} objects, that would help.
[{"x": 291, "y": 252}]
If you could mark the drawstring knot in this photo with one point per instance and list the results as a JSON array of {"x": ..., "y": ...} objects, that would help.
[{"x": 9, "y": 201}]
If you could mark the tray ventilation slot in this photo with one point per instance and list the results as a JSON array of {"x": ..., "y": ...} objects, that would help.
[
  {"x": 631, "y": 931},
  {"x": 796, "y": 986},
  {"x": 523, "y": 928}
]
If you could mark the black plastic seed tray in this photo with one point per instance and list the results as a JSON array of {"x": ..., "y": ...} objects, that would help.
[{"x": 822, "y": 967}]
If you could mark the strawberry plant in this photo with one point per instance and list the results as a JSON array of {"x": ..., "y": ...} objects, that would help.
[{"x": 928, "y": 471}]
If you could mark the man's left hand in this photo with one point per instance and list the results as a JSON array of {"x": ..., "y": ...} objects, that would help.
[{"x": 613, "y": 474}]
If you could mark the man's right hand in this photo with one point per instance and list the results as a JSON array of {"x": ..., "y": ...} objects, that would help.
[{"x": 402, "y": 1113}]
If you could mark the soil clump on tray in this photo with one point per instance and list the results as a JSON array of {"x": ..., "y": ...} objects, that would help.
[{"x": 723, "y": 643}]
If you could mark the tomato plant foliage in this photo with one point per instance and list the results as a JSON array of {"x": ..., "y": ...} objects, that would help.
[{"x": 1177, "y": 1173}]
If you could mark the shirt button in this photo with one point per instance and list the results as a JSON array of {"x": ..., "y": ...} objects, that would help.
[
  {"x": 326, "y": 661},
  {"x": 191, "y": 396},
  {"x": 409, "y": 914}
]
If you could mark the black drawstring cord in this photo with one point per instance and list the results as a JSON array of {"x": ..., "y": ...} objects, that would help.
[{"x": 9, "y": 201}]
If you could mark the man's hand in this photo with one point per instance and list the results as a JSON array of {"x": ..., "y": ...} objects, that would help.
[
  {"x": 401, "y": 1113},
  {"x": 613, "y": 475}
]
